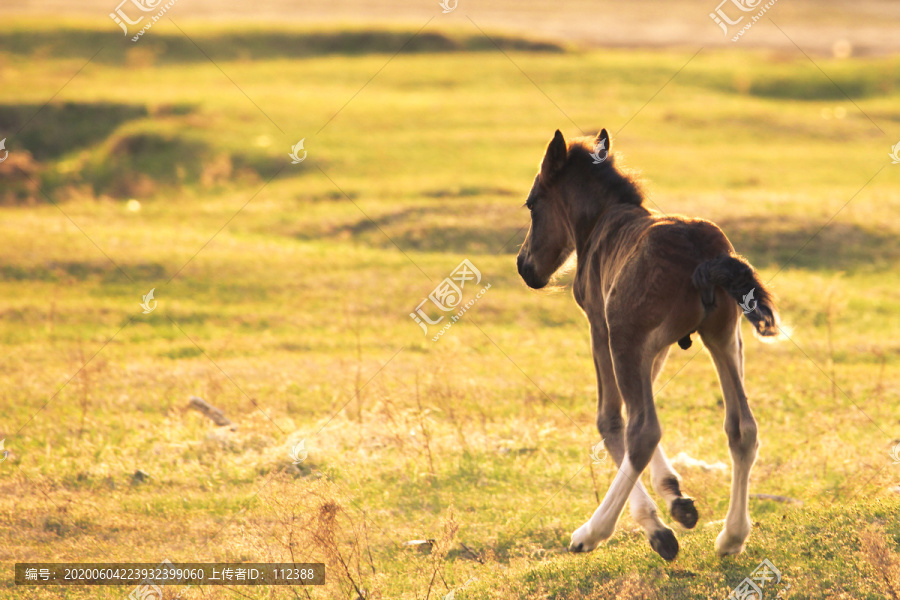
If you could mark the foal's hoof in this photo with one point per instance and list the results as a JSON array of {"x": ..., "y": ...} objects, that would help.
[
  {"x": 684, "y": 512},
  {"x": 579, "y": 547},
  {"x": 583, "y": 540},
  {"x": 664, "y": 542},
  {"x": 727, "y": 545},
  {"x": 576, "y": 546}
]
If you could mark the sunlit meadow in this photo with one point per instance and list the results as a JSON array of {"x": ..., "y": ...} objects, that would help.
[{"x": 284, "y": 291}]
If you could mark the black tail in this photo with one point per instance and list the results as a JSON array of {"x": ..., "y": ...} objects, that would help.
[{"x": 735, "y": 275}]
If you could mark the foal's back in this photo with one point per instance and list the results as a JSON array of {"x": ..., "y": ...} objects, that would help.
[{"x": 642, "y": 263}]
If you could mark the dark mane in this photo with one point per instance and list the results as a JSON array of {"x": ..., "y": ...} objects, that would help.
[{"x": 620, "y": 186}]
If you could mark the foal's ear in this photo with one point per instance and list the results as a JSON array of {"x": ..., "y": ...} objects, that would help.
[
  {"x": 603, "y": 140},
  {"x": 555, "y": 158}
]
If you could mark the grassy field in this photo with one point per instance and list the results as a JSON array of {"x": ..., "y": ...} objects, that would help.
[{"x": 284, "y": 293}]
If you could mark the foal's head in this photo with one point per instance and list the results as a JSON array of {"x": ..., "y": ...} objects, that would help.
[{"x": 576, "y": 182}]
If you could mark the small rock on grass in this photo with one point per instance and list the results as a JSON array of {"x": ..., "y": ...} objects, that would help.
[
  {"x": 423, "y": 546},
  {"x": 214, "y": 414}
]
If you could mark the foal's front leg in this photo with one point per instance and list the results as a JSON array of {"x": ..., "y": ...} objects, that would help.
[{"x": 666, "y": 483}]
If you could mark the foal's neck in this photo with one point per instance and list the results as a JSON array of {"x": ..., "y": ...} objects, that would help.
[{"x": 596, "y": 205}]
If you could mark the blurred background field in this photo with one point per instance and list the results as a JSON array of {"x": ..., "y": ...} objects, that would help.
[{"x": 284, "y": 292}]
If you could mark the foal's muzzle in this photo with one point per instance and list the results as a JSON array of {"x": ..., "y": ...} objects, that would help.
[{"x": 526, "y": 272}]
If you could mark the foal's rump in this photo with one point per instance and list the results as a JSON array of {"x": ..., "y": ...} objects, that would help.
[{"x": 702, "y": 268}]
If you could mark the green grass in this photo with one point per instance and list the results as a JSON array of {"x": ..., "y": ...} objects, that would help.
[{"x": 287, "y": 316}]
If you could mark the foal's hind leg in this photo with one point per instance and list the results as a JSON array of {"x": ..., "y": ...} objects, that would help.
[
  {"x": 665, "y": 480},
  {"x": 633, "y": 377},
  {"x": 726, "y": 349},
  {"x": 610, "y": 425}
]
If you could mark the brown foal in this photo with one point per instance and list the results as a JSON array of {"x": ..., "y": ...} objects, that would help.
[{"x": 645, "y": 281}]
